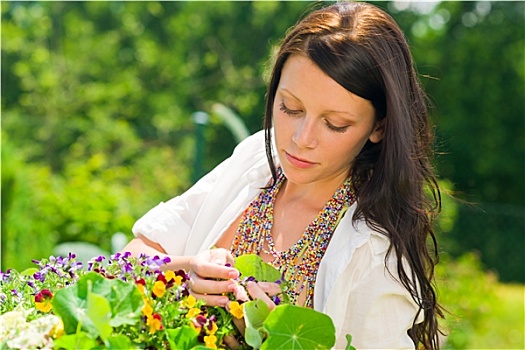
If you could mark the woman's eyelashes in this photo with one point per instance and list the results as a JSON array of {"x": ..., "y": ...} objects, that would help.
[
  {"x": 295, "y": 112},
  {"x": 289, "y": 111},
  {"x": 335, "y": 128}
]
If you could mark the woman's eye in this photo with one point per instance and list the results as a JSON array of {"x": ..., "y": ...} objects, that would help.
[
  {"x": 286, "y": 110},
  {"x": 336, "y": 128}
]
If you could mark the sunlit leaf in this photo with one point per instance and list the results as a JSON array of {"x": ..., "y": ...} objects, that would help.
[
  {"x": 71, "y": 303},
  {"x": 118, "y": 342},
  {"x": 99, "y": 311},
  {"x": 182, "y": 338},
  {"x": 253, "y": 265},
  {"x": 80, "y": 340},
  {"x": 348, "y": 343},
  {"x": 255, "y": 312},
  {"x": 295, "y": 327}
]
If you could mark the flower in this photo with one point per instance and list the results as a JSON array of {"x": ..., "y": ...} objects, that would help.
[
  {"x": 43, "y": 300},
  {"x": 212, "y": 328},
  {"x": 193, "y": 312},
  {"x": 236, "y": 309},
  {"x": 158, "y": 289},
  {"x": 148, "y": 308},
  {"x": 189, "y": 302},
  {"x": 210, "y": 341},
  {"x": 154, "y": 322}
]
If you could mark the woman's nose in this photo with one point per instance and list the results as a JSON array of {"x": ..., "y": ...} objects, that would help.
[{"x": 305, "y": 133}]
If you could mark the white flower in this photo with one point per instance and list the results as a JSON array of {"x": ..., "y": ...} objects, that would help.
[{"x": 21, "y": 334}]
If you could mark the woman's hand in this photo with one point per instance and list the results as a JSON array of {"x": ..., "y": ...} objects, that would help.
[
  {"x": 255, "y": 290},
  {"x": 211, "y": 275}
]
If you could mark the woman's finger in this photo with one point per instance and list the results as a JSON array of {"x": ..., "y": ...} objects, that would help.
[
  {"x": 211, "y": 299},
  {"x": 221, "y": 256},
  {"x": 210, "y": 286},
  {"x": 256, "y": 292},
  {"x": 270, "y": 288},
  {"x": 231, "y": 342},
  {"x": 212, "y": 264}
]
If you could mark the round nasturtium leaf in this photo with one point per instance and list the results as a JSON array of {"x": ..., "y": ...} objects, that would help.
[
  {"x": 295, "y": 327},
  {"x": 251, "y": 265}
]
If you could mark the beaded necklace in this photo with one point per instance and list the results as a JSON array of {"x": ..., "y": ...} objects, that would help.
[{"x": 299, "y": 263}]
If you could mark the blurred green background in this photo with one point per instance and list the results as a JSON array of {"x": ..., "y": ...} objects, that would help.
[{"x": 97, "y": 128}]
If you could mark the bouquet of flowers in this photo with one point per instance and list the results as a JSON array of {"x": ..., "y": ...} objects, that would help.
[{"x": 130, "y": 303}]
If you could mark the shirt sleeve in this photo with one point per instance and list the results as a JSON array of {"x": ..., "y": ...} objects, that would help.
[
  {"x": 378, "y": 309},
  {"x": 190, "y": 216}
]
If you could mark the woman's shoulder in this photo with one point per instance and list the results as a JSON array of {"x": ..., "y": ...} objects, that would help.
[
  {"x": 253, "y": 144},
  {"x": 249, "y": 160}
]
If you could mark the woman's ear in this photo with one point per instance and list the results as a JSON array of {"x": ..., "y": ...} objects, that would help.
[{"x": 378, "y": 132}]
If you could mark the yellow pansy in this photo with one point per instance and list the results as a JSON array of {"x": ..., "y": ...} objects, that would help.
[
  {"x": 210, "y": 341},
  {"x": 178, "y": 280},
  {"x": 154, "y": 322},
  {"x": 147, "y": 310},
  {"x": 236, "y": 309},
  {"x": 43, "y": 300},
  {"x": 190, "y": 301},
  {"x": 159, "y": 288},
  {"x": 195, "y": 327},
  {"x": 213, "y": 329},
  {"x": 169, "y": 275},
  {"x": 193, "y": 312}
]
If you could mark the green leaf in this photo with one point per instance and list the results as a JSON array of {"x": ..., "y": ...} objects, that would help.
[
  {"x": 71, "y": 307},
  {"x": 71, "y": 303},
  {"x": 99, "y": 311},
  {"x": 118, "y": 342},
  {"x": 81, "y": 340},
  {"x": 255, "y": 313},
  {"x": 348, "y": 343},
  {"x": 296, "y": 327},
  {"x": 29, "y": 272},
  {"x": 253, "y": 265},
  {"x": 182, "y": 338}
]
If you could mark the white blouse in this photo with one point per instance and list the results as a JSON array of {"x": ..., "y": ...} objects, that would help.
[{"x": 353, "y": 285}]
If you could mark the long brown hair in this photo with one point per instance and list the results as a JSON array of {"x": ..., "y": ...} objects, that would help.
[{"x": 362, "y": 48}]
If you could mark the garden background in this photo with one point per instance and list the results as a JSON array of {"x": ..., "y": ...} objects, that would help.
[{"x": 99, "y": 103}]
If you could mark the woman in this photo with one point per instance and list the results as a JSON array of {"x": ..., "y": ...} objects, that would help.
[{"x": 345, "y": 153}]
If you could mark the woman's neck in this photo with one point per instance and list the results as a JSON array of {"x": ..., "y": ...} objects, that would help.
[{"x": 314, "y": 195}]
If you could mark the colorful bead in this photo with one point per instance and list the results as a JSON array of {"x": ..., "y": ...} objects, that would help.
[{"x": 298, "y": 264}]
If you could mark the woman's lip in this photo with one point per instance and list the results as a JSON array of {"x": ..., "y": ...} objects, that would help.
[{"x": 298, "y": 162}]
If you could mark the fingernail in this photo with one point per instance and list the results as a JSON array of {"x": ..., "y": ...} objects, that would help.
[{"x": 233, "y": 274}]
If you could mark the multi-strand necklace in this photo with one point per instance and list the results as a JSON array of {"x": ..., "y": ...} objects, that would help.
[{"x": 299, "y": 263}]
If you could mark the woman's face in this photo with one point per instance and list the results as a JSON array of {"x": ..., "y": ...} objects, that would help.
[{"x": 320, "y": 127}]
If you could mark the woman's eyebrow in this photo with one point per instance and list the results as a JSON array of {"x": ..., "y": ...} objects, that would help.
[{"x": 330, "y": 111}]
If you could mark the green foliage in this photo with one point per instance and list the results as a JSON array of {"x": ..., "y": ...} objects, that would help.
[
  {"x": 281, "y": 328},
  {"x": 318, "y": 333},
  {"x": 478, "y": 314},
  {"x": 96, "y": 113},
  {"x": 97, "y": 304},
  {"x": 96, "y": 125},
  {"x": 255, "y": 314},
  {"x": 470, "y": 58},
  {"x": 253, "y": 265}
]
